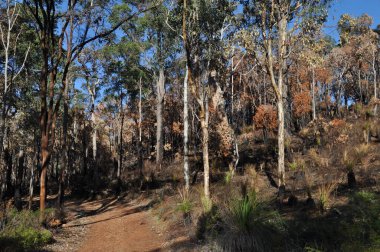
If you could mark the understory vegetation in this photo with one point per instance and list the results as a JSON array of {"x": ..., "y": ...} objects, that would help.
[{"x": 21, "y": 230}]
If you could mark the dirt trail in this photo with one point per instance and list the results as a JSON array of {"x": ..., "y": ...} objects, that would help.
[{"x": 114, "y": 225}]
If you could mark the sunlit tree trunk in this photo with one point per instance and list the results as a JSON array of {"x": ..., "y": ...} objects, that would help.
[
  {"x": 120, "y": 136},
  {"x": 140, "y": 131},
  {"x": 278, "y": 88},
  {"x": 313, "y": 93},
  {"x": 159, "y": 117},
  {"x": 186, "y": 131},
  {"x": 374, "y": 81},
  {"x": 204, "y": 118}
]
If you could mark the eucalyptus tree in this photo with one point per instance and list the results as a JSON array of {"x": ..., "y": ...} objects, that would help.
[
  {"x": 163, "y": 41},
  {"x": 125, "y": 74},
  {"x": 64, "y": 28},
  {"x": 13, "y": 56},
  {"x": 202, "y": 23},
  {"x": 273, "y": 24}
]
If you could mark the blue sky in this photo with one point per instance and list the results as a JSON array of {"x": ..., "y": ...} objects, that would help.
[{"x": 354, "y": 8}]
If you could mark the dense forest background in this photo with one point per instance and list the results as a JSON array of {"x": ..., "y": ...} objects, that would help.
[{"x": 131, "y": 95}]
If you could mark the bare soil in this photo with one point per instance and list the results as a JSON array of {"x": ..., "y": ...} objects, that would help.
[{"x": 108, "y": 225}]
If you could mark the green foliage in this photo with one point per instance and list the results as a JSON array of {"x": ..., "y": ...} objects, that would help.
[
  {"x": 358, "y": 108},
  {"x": 23, "y": 231},
  {"x": 248, "y": 212},
  {"x": 206, "y": 204},
  {"x": 228, "y": 177},
  {"x": 184, "y": 206},
  {"x": 242, "y": 211},
  {"x": 363, "y": 196}
]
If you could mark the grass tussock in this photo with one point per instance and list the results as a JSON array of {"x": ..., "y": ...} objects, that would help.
[
  {"x": 325, "y": 192},
  {"x": 248, "y": 224}
]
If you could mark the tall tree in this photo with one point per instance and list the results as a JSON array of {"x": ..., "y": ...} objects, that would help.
[
  {"x": 202, "y": 24},
  {"x": 271, "y": 21},
  {"x": 52, "y": 29},
  {"x": 10, "y": 37}
]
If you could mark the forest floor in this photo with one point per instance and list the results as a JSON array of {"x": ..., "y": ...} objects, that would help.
[{"x": 111, "y": 224}]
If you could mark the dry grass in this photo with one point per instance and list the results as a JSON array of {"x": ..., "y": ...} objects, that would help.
[
  {"x": 325, "y": 191},
  {"x": 250, "y": 170},
  {"x": 318, "y": 159}
]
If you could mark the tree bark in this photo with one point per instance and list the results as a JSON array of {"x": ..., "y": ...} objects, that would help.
[
  {"x": 278, "y": 89},
  {"x": 140, "y": 132},
  {"x": 280, "y": 106},
  {"x": 313, "y": 93},
  {"x": 374, "y": 83},
  {"x": 44, "y": 165},
  {"x": 159, "y": 110},
  {"x": 19, "y": 175},
  {"x": 65, "y": 150},
  {"x": 8, "y": 177},
  {"x": 205, "y": 137},
  {"x": 186, "y": 132},
  {"x": 120, "y": 137}
]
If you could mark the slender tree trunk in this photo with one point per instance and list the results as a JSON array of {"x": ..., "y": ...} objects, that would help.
[
  {"x": 313, "y": 94},
  {"x": 281, "y": 143},
  {"x": 65, "y": 149},
  {"x": 8, "y": 177},
  {"x": 232, "y": 85},
  {"x": 19, "y": 175},
  {"x": 204, "y": 114},
  {"x": 280, "y": 106},
  {"x": 2, "y": 127},
  {"x": 159, "y": 117},
  {"x": 140, "y": 131},
  {"x": 186, "y": 131},
  {"x": 374, "y": 83},
  {"x": 94, "y": 138},
  {"x": 44, "y": 166},
  {"x": 360, "y": 86},
  {"x": 120, "y": 138},
  {"x": 31, "y": 186}
]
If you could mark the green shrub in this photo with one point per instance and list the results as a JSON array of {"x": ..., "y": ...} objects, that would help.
[
  {"x": 242, "y": 211},
  {"x": 250, "y": 225},
  {"x": 184, "y": 206},
  {"x": 364, "y": 196},
  {"x": 248, "y": 213},
  {"x": 228, "y": 177},
  {"x": 22, "y": 230}
]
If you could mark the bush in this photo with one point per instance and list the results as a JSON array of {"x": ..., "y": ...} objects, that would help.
[
  {"x": 22, "y": 230},
  {"x": 324, "y": 191},
  {"x": 250, "y": 225},
  {"x": 242, "y": 212}
]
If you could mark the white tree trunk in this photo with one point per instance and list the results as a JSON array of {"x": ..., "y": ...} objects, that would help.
[
  {"x": 280, "y": 106},
  {"x": 205, "y": 137},
  {"x": 159, "y": 110},
  {"x": 186, "y": 131},
  {"x": 94, "y": 131},
  {"x": 313, "y": 94},
  {"x": 140, "y": 130},
  {"x": 374, "y": 82}
]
